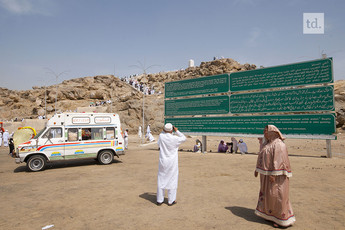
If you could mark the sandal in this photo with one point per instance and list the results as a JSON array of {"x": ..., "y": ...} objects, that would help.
[{"x": 172, "y": 203}]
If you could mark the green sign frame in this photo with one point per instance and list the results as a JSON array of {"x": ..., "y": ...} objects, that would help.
[
  {"x": 197, "y": 106},
  {"x": 293, "y": 100},
  {"x": 197, "y": 86},
  {"x": 299, "y": 124},
  {"x": 304, "y": 73}
]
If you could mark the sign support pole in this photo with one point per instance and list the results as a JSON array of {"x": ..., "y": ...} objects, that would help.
[
  {"x": 204, "y": 143},
  {"x": 329, "y": 148},
  {"x": 143, "y": 133}
]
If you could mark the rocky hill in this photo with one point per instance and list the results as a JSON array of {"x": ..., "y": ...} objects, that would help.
[
  {"x": 339, "y": 97},
  {"x": 126, "y": 101}
]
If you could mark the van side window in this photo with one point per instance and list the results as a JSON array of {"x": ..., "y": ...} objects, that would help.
[
  {"x": 91, "y": 134},
  {"x": 110, "y": 133},
  {"x": 86, "y": 134},
  {"x": 96, "y": 133},
  {"x": 53, "y": 133},
  {"x": 72, "y": 134}
]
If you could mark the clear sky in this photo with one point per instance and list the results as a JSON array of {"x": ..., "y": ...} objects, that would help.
[{"x": 82, "y": 38}]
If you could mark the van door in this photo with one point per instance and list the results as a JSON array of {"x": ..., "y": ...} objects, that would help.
[
  {"x": 52, "y": 143},
  {"x": 90, "y": 141},
  {"x": 111, "y": 135},
  {"x": 93, "y": 140},
  {"x": 73, "y": 147}
]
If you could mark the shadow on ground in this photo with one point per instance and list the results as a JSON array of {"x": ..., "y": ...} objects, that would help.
[
  {"x": 247, "y": 214},
  {"x": 149, "y": 196},
  {"x": 67, "y": 164},
  {"x": 152, "y": 197}
]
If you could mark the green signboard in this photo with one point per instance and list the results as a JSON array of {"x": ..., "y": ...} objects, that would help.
[
  {"x": 197, "y": 106},
  {"x": 197, "y": 86},
  {"x": 306, "y": 124},
  {"x": 294, "y": 100},
  {"x": 304, "y": 73}
]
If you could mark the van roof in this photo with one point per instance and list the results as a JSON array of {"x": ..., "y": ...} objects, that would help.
[{"x": 84, "y": 119}]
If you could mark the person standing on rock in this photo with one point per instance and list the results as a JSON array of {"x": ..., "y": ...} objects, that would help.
[{"x": 168, "y": 163}]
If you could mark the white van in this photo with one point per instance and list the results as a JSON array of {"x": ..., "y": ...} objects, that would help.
[{"x": 74, "y": 136}]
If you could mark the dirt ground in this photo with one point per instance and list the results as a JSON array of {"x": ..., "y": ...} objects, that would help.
[{"x": 216, "y": 191}]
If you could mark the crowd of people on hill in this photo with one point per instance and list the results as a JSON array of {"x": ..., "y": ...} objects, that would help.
[
  {"x": 100, "y": 103},
  {"x": 131, "y": 80},
  {"x": 145, "y": 89}
]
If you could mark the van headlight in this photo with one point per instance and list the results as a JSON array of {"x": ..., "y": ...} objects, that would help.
[{"x": 25, "y": 148}]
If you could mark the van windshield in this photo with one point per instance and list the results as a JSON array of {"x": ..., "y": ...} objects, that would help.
[{"x": 39, "y": 134}]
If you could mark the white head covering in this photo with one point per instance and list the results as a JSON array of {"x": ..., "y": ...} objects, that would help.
[
  {"x": 168, "y": 127},
  {"x": 241, "y": 140}
]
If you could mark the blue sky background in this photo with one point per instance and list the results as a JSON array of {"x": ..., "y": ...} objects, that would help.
[{"x": 91, "y": 37}]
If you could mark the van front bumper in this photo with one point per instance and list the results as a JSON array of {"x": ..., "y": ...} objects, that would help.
[{"x": 17, "y": 159}]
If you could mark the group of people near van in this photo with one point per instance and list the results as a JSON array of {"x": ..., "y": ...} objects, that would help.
[
  {"x": 273, "y": 165},
  {"x": 6, "y": 139}
]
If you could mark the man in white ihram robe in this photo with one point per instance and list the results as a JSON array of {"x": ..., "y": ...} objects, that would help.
[
  {"x": 139, "y": 132},
  {"x": 149, "y": 134},
  {"x": 148, "y": 130},
  {"x": 168, "y": 163},
  {"x": 125, "y": 139},
  {"x": 6, "y": 137}
]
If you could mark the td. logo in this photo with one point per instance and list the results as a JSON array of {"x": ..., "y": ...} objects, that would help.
[{"x": 313, "y": 23}]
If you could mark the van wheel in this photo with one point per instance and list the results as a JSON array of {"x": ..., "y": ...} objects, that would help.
[
  {"x": 105, "y": 157},
  {"x": 36, "y": 163}
]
